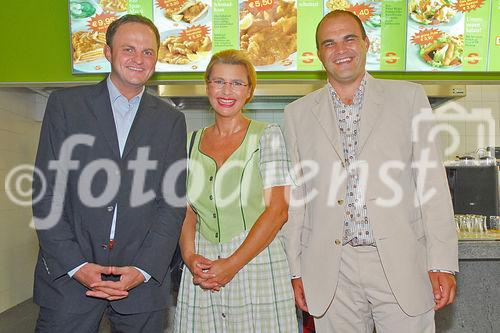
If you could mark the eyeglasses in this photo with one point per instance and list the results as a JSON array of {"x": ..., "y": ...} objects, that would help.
[{"x": 234, "y": 85}]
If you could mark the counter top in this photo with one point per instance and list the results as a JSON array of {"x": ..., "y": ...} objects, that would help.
[{"x": 478, "y": 249}]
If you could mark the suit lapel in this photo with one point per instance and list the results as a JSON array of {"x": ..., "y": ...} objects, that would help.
[
  {"x": 104, "y": 113},
  {"x": 371, "y": 111},
  {"x": 324, "y": 113},
  {"x": 144, "y": 121}
]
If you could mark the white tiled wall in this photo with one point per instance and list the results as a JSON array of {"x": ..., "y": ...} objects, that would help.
[
  {"x": 19, "y": 130},
  {"x": 482, "y": 100}
]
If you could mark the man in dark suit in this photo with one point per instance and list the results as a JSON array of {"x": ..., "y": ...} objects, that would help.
[{"x": 112, "y": 158}]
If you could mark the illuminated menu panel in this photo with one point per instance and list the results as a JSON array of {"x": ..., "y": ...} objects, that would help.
[{"x": 279, "y": 35}]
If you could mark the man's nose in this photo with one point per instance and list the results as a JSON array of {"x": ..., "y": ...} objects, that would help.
[
  {"x": 340, "y": 47},
  {"x": 138, "y": 57}
]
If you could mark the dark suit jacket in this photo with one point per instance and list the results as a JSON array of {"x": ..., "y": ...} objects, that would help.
[{"x": 146, "y": 235}]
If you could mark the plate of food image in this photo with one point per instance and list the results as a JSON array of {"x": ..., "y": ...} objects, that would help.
[
  {"x": 269, "y": 36},
  {"x": 433, "y": 12},
  {"x": 178, "y": 54},
  {"x": 88, "y": 52},
  {"x": 444, "y": 52},
  {"x": 188, "y": 13}
]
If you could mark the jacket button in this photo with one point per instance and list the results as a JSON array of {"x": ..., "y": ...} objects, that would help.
[
  {"x": 337, "y": 242},
  {"x": 340, "y": 202},
  {"x": 211, "y": 178},
  {"x": 110, "y": 208},
  {"x": 214, "y": 215},
  {"x": 211, "y": 197}
]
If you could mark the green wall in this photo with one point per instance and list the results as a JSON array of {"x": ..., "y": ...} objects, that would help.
[{"x": 35, "y": 48}]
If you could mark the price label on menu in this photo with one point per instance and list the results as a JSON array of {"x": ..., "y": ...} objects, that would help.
[
  {"x": 468, "y": 5},
  {"x": 426, "y": 36},
  {"x": 363, "y": 11},
  {"x": 255, "y": 6},
  {"x": 100, "y": 23},
  {"x": 170, "y": 4},
  {"x": 195, "y": 33}
]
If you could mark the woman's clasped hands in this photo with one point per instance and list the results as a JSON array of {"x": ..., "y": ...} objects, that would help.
[{"x": 211, "y": 274}]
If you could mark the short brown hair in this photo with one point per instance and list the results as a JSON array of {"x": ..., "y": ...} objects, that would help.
[
  {"x": 234, "y": 57},
  {"x": 130, "y": 18},
  {"x": 336, "y": 13}
]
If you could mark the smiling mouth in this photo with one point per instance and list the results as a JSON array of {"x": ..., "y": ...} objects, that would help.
[
  {"x": 343, "y": 60},
  {"x": 135, "y": 69},
  {"x": 226, "y": 102}
]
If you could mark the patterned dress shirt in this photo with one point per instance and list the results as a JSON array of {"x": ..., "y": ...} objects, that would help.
[{"x": 357, "y": 228}]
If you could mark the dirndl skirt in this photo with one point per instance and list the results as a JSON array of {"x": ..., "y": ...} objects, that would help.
[{"x": 258, "y": 299}]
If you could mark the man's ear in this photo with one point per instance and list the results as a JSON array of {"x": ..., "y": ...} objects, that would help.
[
  {"x": 367, "y": 42},
  {"x": 107, "y": 52}
]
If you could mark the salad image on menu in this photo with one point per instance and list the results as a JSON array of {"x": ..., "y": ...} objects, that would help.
[
  {"x": 445, "y": 51},
  {"x": 438, "y": 35},
  {"x": 434, "y": 49},
  {"x": 431, "y": 12},
  {"x": 185, "y": 32},
  {"x": 89, "y": 22},
  {"x": 370, "y": 13},
  {"x": 268, "y": 32}
]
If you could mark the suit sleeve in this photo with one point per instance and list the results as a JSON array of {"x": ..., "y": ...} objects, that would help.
[
  {"x": 156, "y": 253},
  {"x": 292, "y": 229},
  {"x": 59, "y": 248},
  {"x": 436, "y": 210}
]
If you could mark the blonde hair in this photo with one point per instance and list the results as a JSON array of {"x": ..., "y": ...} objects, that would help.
[{"x": 234, "y": 57}]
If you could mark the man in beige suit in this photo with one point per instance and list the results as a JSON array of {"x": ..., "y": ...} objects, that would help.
[{"x": 370, "y": 237}]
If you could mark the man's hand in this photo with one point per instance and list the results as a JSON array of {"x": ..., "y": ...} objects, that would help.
[
  {"x": 90, "y": 273},
  {"x": 130, "y": 277},
  {"x": 443, "y": 287},
  {"x": 300, "y": 297}
]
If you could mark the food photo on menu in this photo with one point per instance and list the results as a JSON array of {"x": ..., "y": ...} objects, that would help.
[
  {"x": 186, "y": 34},
  {"x": 449, "y": 35},
  {"x": 431, "y": 12},
  {"x": 181, "y": 50},
  {"x": 188, "y": 12},
  {"x": 435, "y": 50},
  {"x": 269, "y": 35},
  {"x": 445, "y": 51},
  {"x": 435, "y": 36},
  {"x": 114, "y": 6}
]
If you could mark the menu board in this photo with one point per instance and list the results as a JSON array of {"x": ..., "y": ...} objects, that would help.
[
  {"x": 279, "y": 35},
  {"x": 448, "y": 36}
]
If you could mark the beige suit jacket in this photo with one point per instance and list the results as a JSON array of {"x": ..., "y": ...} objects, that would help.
[{"x": 412, "y": 235}]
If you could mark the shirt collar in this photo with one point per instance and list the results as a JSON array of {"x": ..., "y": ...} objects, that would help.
[
  {"x": 358, "y": 95},
  {"x": 114, "y": 93}
]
